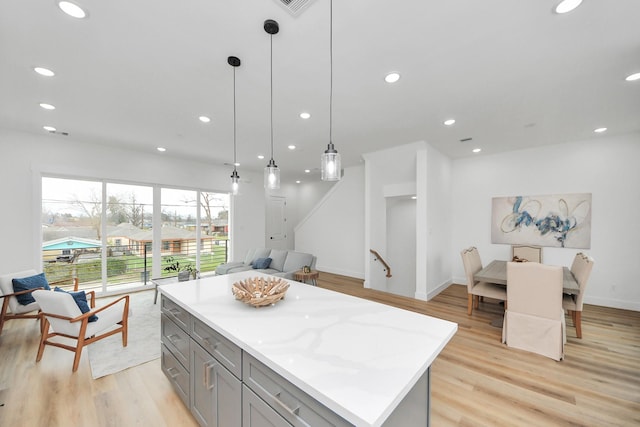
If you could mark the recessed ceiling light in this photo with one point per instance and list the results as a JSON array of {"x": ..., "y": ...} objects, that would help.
[
  {"x": 44, "y": 72},
  {"x": 49, "y": 128},
  {"x": 47, "y": 106},
  {"x": 477, "y": 150},
  {"x": 449, "y": 122},
  {"x": 392, "y": 77},
  {"x": 291, "y": 147},
  {"x": 567, "y": 5},
  {"x": 298, "y": 182},
  {"x": 414, "y": 197},
  {"x": 204, "y": 119},
  {"x": 305, "y": 115},
  {"x": 72, "y": 9},
  {"x": 633, "y": 77},
  {"x": 307, "y": 171},
  {"x": 161, "y": 149},
  {"x": 236, "y": 164},
  {"x": 260, "y": 156},
  {"x": 600, "y": 130}
]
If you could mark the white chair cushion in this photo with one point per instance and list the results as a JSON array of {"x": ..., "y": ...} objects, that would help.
[
  {"x": 63, "y": 304},
  {"x": 6, "y": 286}
]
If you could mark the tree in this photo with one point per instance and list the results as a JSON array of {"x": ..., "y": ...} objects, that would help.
[{"x": 92, "y": 208}]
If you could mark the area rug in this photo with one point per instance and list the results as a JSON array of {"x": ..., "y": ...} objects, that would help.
[{"x": 107, "y": 356}]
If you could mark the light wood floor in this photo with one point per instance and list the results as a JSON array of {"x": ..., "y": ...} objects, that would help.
[{"x": 476, "y": 381}]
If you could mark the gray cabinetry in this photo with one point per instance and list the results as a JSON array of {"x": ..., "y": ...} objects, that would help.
[
  {"x": 294, "y": 405},
  {"x": 174, "y": 347},
  {"x": 216, "y": 394},
  {"x": 256, "y": 413},
  {"x": 177, "y": 374}
]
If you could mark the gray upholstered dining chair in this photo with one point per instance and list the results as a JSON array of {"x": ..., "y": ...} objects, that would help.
[
  {"x": 527, "y": 253},
  {"x": 476, "y": 289},
  {"x": 581, "y": 269},
  {"x": 534, "y": 318}
]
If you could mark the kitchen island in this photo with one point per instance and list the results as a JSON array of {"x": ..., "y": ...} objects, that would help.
[{"x": 342, "y": 359}]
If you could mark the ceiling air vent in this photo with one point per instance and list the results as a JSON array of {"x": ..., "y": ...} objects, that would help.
[{"x": 294, "y": 6}]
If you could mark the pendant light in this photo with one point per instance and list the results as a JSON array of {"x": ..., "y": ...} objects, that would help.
[
  {"x": 271, "y": 172},
  {"x": 235, "y": 178},
  {"x": 330, "y": 167}
]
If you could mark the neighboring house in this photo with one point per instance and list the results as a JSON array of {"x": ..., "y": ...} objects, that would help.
[
  {"x": 65, "y": 248},
  {"x": 127, "y": 238}
]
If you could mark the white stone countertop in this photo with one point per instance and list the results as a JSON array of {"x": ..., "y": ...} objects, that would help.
[{"x": 358, "y": 358}]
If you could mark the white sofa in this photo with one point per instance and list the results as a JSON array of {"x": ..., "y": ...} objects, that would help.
[{"x": 283, "y": 262}]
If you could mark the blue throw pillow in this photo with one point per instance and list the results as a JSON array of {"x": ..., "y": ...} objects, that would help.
[
  {"x": 261, "y": 263},
  {"x": 31, "y": 282},
  {"x": 81, "y": 300}
]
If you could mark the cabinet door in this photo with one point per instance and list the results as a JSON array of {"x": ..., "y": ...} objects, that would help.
[
  {"x": 216, "y": 395},
  {"x": 256, "y": 413}
]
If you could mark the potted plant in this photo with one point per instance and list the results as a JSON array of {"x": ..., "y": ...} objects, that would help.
[{"x": 184, "y": 270}]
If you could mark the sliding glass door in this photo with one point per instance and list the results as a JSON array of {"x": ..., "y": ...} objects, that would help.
[{"x": 102, "y": 233}]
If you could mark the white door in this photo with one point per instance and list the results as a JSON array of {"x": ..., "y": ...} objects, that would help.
[{"x": 276, "y": 222}]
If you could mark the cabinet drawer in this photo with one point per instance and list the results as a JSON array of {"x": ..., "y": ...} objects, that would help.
[
  {"x": 175, "y": 339},
  {"x": 226, "y": 352},
  {"x": 256, "y": 413},
  {"x": 176, "y": 313},
  {"x": 176, "y": 373},
  {"x": 294, "y": 405}
]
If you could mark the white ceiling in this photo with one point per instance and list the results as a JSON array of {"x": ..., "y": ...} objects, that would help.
[{"x": 139, "y": 73}]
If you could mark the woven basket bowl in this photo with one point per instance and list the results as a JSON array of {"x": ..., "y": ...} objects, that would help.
[{"x": 260, "y": 291}]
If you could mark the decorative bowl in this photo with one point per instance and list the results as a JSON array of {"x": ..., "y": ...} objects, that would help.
[{"x": 260, "y": 291}]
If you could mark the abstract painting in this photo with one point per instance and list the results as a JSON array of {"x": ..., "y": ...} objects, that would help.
[{"x": 562, "y": 220}]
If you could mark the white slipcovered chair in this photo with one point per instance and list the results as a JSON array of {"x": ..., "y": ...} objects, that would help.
[
  {"x": 581, "y": 269},
  {"x": 476, "y": 289},
  {"x": 534, "y": 319},
  {"x": 526, "y": 253},
  {"x": 63, "y": 317}
]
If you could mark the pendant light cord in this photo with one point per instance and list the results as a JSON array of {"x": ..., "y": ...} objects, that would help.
[
  {"x": 271, "y": 66},
  {"x": 330, "y": 71},
  {"x": 234, "y": 119}
]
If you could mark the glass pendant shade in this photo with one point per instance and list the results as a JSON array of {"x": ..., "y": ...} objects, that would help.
[
  {"x": 272, "y": 176},
  {"x": 235, "y": 182},
  {"x": 331, "y": 169}
]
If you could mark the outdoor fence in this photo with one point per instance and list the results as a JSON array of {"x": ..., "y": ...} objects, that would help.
[{"x": 130, "y": 264}]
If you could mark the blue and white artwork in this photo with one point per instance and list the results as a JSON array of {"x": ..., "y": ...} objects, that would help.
[{"x": 555, "y": 220}]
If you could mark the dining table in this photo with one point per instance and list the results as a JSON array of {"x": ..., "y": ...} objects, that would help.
[{"x": 496, "y": 272}]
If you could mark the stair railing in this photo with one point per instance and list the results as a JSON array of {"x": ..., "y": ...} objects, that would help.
[{"x": 382, "y": 261}]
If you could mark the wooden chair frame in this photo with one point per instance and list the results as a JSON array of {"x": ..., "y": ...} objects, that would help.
[
  {"x": 5, "y": 315},
  {"x": 81, "y": 340}
]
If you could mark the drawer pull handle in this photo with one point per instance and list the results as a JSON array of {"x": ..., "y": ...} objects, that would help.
[
  {"x": 208, "y": 341},
  {"x": 174, "y": 311},
  {"x": 207, "y": 375},
  {"x": 293, "y": 411},
  {"x": 171, "y": 371},
  {"x": 173, "y": 338}
]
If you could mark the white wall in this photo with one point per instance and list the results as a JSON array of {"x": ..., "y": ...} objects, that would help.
[
  {"x": 25, "y": 157},
  {"x": 385, "y": 171},
  {"x": 333, "y": 230},
  {"x": 401, "y": 245},
  {"x": 439, "y": 222},
  {"x": 607, "y": 167}
]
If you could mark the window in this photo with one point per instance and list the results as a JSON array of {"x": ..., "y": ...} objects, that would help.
[{"x": 76, "y": 243}]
